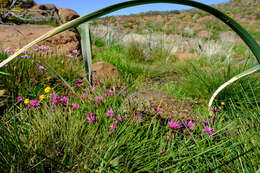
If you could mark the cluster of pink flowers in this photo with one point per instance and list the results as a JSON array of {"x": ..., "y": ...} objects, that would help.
[
  {"x": 116, "y": 118},
  {"x": 175, "y": 125},
  {"x": 90, "y": 117},
  {"x": 30, "y": 104},
  {"x": 79, "y": 83},
  {"x": 106, "y": 94},
  {"x": 57, "y": 100}
]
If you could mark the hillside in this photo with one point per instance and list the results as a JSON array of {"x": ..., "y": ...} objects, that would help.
[{"x": 189, "y": 23}]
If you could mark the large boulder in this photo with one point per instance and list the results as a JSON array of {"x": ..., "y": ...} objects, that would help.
[
  {"x": 67, "y": 15},
  {"x": 155, "y": 103}
]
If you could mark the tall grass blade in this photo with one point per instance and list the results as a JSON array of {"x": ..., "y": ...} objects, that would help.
[
  {"x": 235, "y": 78},
  {"x": 63, "y": 80},
  {"x": 3, "y": 73},
  {"x": 86, "y": 48},
  {"x": 244, "y": 35}
]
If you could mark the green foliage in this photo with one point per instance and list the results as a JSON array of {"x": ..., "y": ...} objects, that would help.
[
  {"x": 154, "y": 26},
  {"x": 53, "y": 138}
]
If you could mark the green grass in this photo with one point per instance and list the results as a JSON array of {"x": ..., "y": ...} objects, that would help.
[{"x": 58, "y": 139}]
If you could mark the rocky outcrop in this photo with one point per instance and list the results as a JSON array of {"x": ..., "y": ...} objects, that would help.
[
  {"x": 20, "y": 3},
  {"x": 66, "y": 15},
  {"x": 102, "y": 71},
  {"x": 26, "y": 3},
  {"x": 154, "y": 103}
]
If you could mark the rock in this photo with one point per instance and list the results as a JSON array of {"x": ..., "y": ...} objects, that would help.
[
  {"x": 26, "y": 3},
  {"x": 102, "y": 71},
  {"x": 44, "y": 12},
  {"x": 17, "y": 36},
  {"x": 154, "y": 103},
  {"x": 67, "y": 15},
  {"x": 3, "y": 100}
]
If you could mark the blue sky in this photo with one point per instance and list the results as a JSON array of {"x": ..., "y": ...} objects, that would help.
[{"x": 87, "y": 6}]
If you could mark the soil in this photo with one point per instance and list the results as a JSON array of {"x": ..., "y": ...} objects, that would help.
[{"x": 17, "y": 36}]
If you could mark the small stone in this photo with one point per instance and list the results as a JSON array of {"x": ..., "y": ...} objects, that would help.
[
  {"x": 102, "y": 71},
  {"x": 3, "y": 100}
]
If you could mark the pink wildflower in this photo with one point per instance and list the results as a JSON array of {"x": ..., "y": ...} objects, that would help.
[
  {"x": 55, "y": 99},
  {"x": 74, "y": 106},
  {"x": 110, "y": 92},
  {"x": 110, "y": 112},
  {"x": 34, "y": 103},
  {"x": 91, "y": 117},
  {"x": 64, "y": 100},
  {"x": 174, "y": 125},
  {"x": 119, "y": 118},
  {"x": 98, "y": 99},
  {"x": 138, "y": 116},
  {"x": 113, "y": 126},
  {"x": 20, "y": 98},
  {"x": 209, "y": 130},
  {"x": 79, "y": 85},
  {"x": 78, "y": 80},
  {"x": 189, "y": 124}
]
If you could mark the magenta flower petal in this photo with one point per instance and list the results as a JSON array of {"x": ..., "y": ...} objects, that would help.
[
  {"x": 34, "y": 103},
  {"x": 189, "y": 124},
  {"x": 110, "y": 112},
  {"x": 74, "y": 106},
  {"x": 20, "y": 98},
  {"x": 209, "y": 130},
  {"x": 113, "y": 126},
  {"x": 174, "y": 125}
]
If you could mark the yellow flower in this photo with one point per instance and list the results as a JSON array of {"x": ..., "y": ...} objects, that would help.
[
  {"x": 26, "y": 101},
  {"x": 42, "y": 97},
  {"x": 47, "y": 89},
  {"x": 222, "y": 103}
]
